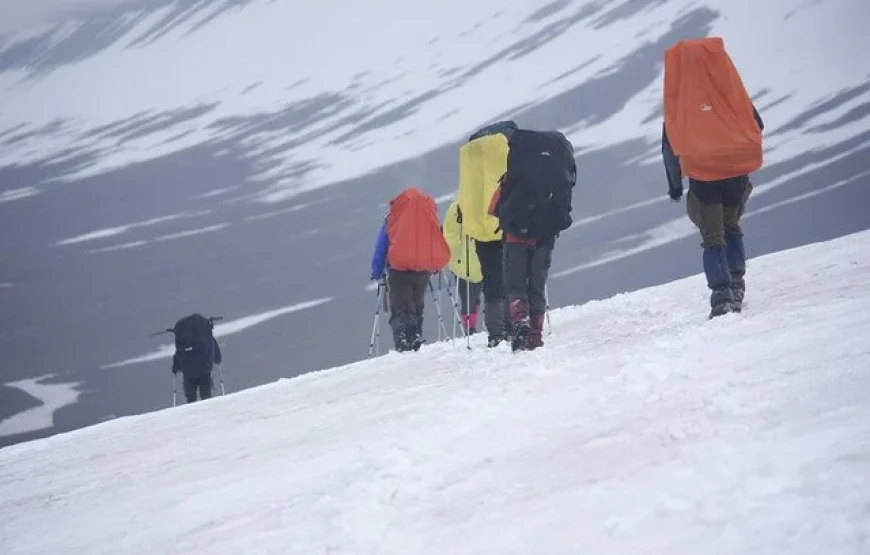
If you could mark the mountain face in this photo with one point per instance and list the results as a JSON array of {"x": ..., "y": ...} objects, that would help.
[{"x": 235, "y": 158}]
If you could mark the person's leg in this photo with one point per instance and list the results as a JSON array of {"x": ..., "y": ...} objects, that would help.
[
  {"x": 190, "y": 386},
  {"x": 516, "y": 272},
  {"x": 402, "y": 308},
  {"x": 735, "y": 205},
  {"x": 465, "y": 303},
  {"x": 476, "y": 290},
  {"x": 538, "y": 272},
  {"x": 705, "y": 210},
  {"x": 206, "y": 386},
  {"x": 490, "y": 255},
  {"x": 420, "y": 286}
]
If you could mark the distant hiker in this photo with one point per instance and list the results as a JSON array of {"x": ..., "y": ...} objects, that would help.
[
  {"x": 465, "y": 265},
  {"x": 410, "y": 248},
  {"x": 533, "y": 204},
  {"x": 482, "y": 161},
  {"x": 196, "y": 353},
  {"x": 712, "y": 133}
]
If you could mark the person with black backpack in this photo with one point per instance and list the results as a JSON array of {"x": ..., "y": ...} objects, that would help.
[
  {"x": 196, "y": 353},
  {"x": 533, "y": 204}
]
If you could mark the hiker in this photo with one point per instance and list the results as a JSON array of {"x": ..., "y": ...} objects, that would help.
[
  {"x": 465, "y": 265},
  {"x": 409, "y": 249},
  {"x": 712, "y": 133},
  {"x": 196, "y": 353},
  {"x": 533, "y": 204},
  {"x": 482, "y": 161}
]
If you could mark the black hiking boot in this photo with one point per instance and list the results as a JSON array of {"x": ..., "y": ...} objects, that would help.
[
  {"x": 494, "y": 340},
  {"x": 738, "y": 290},
  {"x": 520, "y": 341},
  {"x": 721, "y": 302},
  {"x": 416, "y": 343}
]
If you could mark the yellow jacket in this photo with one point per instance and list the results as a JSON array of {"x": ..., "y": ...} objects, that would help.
[
  {"x": 463, "y": 252},
  {"x": 482, "y": 162}
]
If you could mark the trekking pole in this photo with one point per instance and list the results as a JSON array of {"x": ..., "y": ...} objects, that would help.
[
  {"x": 547, "y": 309},
  {"x": 437, "y": 297},
  {"x": 174, "y": 389},
  {"x": 468, "y": 303},
  {"x": 453, "y": 301},
  {"x": 221, "y": 377},
  {"x": 438, "y": 310},
  {"x": 375, "y": 330},
  {"x": 454, "y": 285}
]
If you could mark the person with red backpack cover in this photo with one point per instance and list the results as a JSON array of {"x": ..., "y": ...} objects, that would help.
[
  {"x": 410, "y": 248},
  {"x": 712, "y": 134}
]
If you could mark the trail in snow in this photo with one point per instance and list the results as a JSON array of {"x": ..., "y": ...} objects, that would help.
[{"x": 641, "y": 427}]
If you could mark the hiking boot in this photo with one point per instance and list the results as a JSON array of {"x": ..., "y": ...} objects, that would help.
[
  {"x": 536, "y": 332},
  {"x": 416, "y": 343},
  {"x": 520, "y": 341},
  {"x": 520, "y": 324},
  {"x": 721, "y": 302},
  {"x": 494, "y": 340},
  {"x": 738, "y": 291}
]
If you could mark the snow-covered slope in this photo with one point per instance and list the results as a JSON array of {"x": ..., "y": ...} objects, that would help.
[{"x": 640, "y": 428}]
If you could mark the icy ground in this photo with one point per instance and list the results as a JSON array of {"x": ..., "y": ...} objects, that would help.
[{"x": 640, "y": 428}]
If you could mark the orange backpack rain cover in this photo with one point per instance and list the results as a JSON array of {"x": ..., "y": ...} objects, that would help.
[
  {"x": 708, "y": 113},
  {"x": 414, "y": 231}
]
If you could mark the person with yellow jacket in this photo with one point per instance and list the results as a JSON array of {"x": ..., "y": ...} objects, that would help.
[
  {"x": 465, "y": 265},
  {"x": 482, "y": 162}
]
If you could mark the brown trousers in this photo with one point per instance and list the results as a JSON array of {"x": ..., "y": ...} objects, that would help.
[{"x": 715, "y": 207}]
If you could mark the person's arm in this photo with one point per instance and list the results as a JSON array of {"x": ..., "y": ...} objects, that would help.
[
  {"x": 672, "y": 168},
  {"x": 758, "y": 119},
  {"x": 176, "y": 367},
  {"x": 379, "y": 260},
  {"x": 218, "y": 356}
]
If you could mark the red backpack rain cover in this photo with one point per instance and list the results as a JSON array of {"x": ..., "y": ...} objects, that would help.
[
  {"x": 414, "y": 230},
  {"x": 708, "y": 113}
]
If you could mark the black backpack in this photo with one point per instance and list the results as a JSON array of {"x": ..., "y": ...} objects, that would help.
[
  {"x": 537, "y": 189},
  {"x": 194, "y": 345},
  {"x": 505, "y": 127}
]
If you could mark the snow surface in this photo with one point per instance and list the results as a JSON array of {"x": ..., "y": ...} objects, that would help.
[
  {"x": 425, "y": 79},
  {"x": 640, "y": 428}
]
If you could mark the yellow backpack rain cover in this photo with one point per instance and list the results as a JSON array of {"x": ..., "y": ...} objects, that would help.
[
  {"x": 463, "y": 253},
  {"x": 481, "y": 163}
]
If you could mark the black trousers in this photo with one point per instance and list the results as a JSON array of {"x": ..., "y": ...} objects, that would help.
[
  {"x": 526, "y": 271},
  {"x": 491, "y": 256},
  {"x": 197, "y": 384},
  {"x": 407, "y": 295}
]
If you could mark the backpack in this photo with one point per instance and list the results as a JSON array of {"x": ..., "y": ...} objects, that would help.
[
  {"x": 709, "y": 117},
  {"x": 505, "y": 127},
  {"x": 481, "y": 163},
  {"x": 414, "y": 231},
  {"x": 463, "y": 253},
  {"x": 194, "y": 345},
  {"x": 537, "y": 189}
]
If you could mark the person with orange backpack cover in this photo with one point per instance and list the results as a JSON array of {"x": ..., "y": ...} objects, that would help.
[
  {"x": 409, "y": 249},
  {"x": 712, "y": 133}
]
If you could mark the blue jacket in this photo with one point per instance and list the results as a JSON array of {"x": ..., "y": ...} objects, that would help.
[{"x": 382, "y": 247}]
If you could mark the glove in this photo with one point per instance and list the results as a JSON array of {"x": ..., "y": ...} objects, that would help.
[
  {"x": 174, "y": 370},
  {"x": 675, "y": 197}
]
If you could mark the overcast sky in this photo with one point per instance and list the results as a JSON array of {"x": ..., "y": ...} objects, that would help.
[{"x": 20, "y": 14}]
